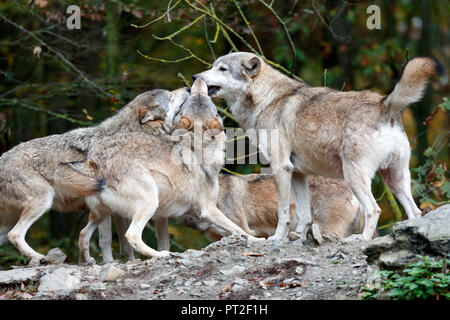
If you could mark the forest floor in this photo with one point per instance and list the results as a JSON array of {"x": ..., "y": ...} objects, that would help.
[{"x": 228, "y": 269}]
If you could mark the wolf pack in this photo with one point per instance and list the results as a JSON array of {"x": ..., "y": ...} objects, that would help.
[{"x": 160, "y": 157}]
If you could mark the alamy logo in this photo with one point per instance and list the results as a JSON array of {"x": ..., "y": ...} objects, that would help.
[
  {"x": 374, "y": 20},
  {"x": 74, "y": 20}
]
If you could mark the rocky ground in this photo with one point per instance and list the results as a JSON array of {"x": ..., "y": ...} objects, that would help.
[
  {"x": 228, "y": 269},
  {"x": 235, "y": 269}
]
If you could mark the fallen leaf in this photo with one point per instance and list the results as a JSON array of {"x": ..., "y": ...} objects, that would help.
[
  {"x": 226, "y": 288},
  {"x": 180, "y": 291},
  {"x": 26, "y": 296}
]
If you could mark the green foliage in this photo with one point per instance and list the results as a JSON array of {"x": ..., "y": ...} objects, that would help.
[
  {"x": 426, "y": 279},
  {"x": 432, "y": 183}
]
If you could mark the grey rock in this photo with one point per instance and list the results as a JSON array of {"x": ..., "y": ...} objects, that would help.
[
  {"x": 145, "y": 286},
  {"x": 94, "y": 270},
  {"x": 232, "y": 271},
  {"x": 393, "y": 259},
  {"x": 59, "y": 281},
  {"x": 19, "y": 275},
  {"x": 55, "y": 256},
  {"x": 186, "y": 262},
  {"x": 240, "y": 281},
  {"x": 210, "y": 283},
  {"x": 195, "y": 253},
  {"x": 110, "y": 273},
  {"x": 427, "y": 235}
]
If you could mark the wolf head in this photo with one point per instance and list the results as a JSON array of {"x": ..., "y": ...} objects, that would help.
[
  {"x": 199, "y": 108},
  {"x": 157, "y": 107},
  {"x": 231, "y": 75}
]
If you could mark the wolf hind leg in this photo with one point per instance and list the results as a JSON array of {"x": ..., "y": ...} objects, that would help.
[
  {"x": 32, "y": 211},
  {"x": 399, "y": 181},
  {"x": 359, "y": 181},
  {"x": 145, "y": 207}
]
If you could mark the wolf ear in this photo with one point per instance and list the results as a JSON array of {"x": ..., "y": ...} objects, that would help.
[
  {"x": 146, "y": 115},
  {"x": 199, "y": 87},
  {"x": 252, "y": 66}
]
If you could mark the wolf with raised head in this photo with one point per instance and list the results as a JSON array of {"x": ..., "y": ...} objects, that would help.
[{"x": 337, "y": 134}]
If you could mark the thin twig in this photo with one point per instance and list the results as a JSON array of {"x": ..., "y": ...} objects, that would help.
[
  {"x": 232, "y": 172},
  {"x": 164, "y": 60},
  {"x": 286, "y": 31},
  {"x": 191, "y": 53},
  {"x": 6, "y": 102},
  {"x": 247, "y": 23},
  {"x": 169, "y": 37},
  {"x": 249, "y": 46},
  {"x": 157, "y": 19}
]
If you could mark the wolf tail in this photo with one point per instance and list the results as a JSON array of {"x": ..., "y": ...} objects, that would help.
[
  {"x": 76, "y": 178},
  {"x": 412, "y": 84}
]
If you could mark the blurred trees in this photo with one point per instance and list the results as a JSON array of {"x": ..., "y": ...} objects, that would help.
[{"x": 53, "y": 79}]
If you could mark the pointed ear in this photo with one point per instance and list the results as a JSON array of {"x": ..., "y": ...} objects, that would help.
[
  {"x": 252, "y": 66},
  {"x": 146, "y": 115},
  {"x": 199, "y": 87}
]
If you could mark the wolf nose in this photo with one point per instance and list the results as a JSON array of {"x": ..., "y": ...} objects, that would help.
[{"x": 195, "y": 77}]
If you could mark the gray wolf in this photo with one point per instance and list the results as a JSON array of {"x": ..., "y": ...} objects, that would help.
[
  {"x": 346, "y": 135},
  {"x": 156, "y": 177},
  {"x": 250, "y": 201},
  {"x": 27, "y": 185}
]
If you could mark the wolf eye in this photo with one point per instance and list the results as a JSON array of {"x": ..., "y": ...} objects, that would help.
[{"x": 222, "y": 69}]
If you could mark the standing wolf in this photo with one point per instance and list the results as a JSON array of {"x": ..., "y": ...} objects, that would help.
[
  {"x": 27, "y": 185},
  {"x": 250, "y": 201},
  {"x": 147, "y": 177},
  {"x": 322, "y": 131}
]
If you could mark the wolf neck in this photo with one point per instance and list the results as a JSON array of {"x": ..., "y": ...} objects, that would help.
[
  {"x": 260, "y": 94},
  {"x": 118, "y": 122},
  {"x": 206, "y": 154}
]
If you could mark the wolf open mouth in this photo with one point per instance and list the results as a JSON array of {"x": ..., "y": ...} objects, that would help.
[{"x": 212, "y": 90}]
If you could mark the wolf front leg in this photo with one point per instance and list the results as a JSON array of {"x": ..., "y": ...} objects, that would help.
[
  {"x": 212, "y": 214},
  {"x": 302, "y": 204},
  {"x": 162, "y": 234},
  {"x": 105, "y": 240},
  {"x": 283, "y": 169}
]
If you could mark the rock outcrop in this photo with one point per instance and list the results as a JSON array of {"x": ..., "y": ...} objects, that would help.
[{"x": 427, "y": 235}]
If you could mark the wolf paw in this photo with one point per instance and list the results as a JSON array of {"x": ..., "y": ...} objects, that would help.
[
  {"x": 276, "y": 238},
  {"x": 163, "y": 254},
  {"x": 36, "y": 261}
]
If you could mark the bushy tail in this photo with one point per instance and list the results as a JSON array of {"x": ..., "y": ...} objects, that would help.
[
  {"x": 412, "y": 84},
  {"x": 75, "y": 178}
]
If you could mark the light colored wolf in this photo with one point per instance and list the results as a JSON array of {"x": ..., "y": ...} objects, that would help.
[
  {"x": 27, "y": 185},
  {"x": 250, "y": 201},
  {"x": 336, "y": 134},
  {"x": 147, "y": 177}
]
